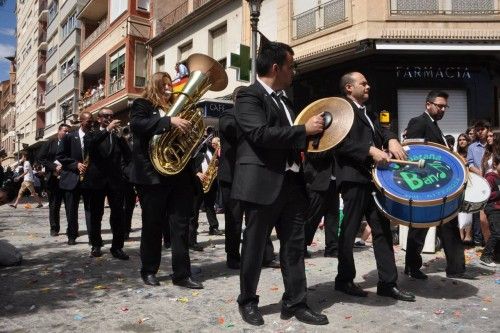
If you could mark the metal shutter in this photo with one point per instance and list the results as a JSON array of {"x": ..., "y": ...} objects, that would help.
[{"x": 411, "y": 103}]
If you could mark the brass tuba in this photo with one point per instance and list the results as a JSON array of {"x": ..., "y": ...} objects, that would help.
[{"x": 170, "y": 152}]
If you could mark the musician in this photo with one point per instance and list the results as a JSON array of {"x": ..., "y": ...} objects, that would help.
[
  {"x": 319, "y": 172},
  {"x": 425, "y": 126},
  {"x": 47, "y": 158},
  {"x": 71, "y": 154},
  {"x": 109, "y": 156},
  {"x": 129, "y": 192},
  {"x": 202, "y": 161},
  {"x": 233, "y": 214},
  {"x": 269, "y": 183},
  {"x": 160, "y": 196},
  {"x": 354, "y": 158}
]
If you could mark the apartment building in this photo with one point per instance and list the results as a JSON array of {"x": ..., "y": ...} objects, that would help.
[
  {"x": 31, "y": 71},
  {"x": 8, "y": 137},
  {"x": 61, "y": 84},
  {"x": 114, "y": 57}
]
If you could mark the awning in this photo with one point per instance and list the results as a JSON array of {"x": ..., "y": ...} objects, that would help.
[{"x": 385, "y": 45}]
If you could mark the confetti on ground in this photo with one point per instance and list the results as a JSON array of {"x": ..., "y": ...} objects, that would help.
[
  {"x": 140, "y": 321},
  {"x": 220, "y": 320},
  {"x": 101, "y": 287},
  {"x": 274, "y": 289},
  {"x": 487, "y": 299},
  {"x": 438, "y": 312},
  {"x": 78, "y": 317},
  {"x": 182, "y": 299},
  {"x": 195, "y": 293},
  {"x": 348, "y": 317},
  {"x": 123, "y": 309},
  {"x": 497, "y": 281},
  {"x": 45, "y": 290},
  {"x": 457, "y": 314}
]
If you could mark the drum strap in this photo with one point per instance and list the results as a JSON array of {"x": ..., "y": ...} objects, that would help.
[
  {"x": 442, "y": 210},
  {"x": 411, "y": 211}
]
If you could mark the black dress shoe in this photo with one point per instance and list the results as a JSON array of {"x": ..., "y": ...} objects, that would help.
[
  {"x": 96, "y": 251},
  {"x": 196, "y": 247},
  {"x": 350, "y": 288},
  {"x": 251, "y": 314},
  {"x": 304, "y": 314},
  {"x": 396, "y": 293},
  {"x": 462, "y": 276},
  {"x": 331, "y": 254},
  {"x": 272, "y": 264},
  {"x": 150, "y": 279},
  {"x": 54, "y": 233},
  {"x": 167, "y": 245},
  {"x": 119, "y": 254},
  {"x": 215, "y": 232},
  {"x": 418, "y": 274},
  {"x": 71, "y": 241},
  {"x": 188, "y": 283},
  {"x": 126, "y": 236}
]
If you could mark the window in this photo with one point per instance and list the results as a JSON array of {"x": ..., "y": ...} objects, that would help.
[
  {"x": 68, "y": 26},
  {"x": 53, "y": 10},
  {"x": 68, "y": 66},
  {"x": 160, "y": 64},
  {"x": 50, "y": 118},
  {"x": 219, "y": 37},
  {"x": 117, "y": 71},
  {"x": 117, "y": 7},
  {"x": 143, "y": 5},
  {"x": 185, "y": 50},
  {"x": 141, "y": 60}
]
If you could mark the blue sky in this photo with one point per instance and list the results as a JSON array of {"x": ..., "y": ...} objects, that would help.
[{"x": 7, "y": 37}]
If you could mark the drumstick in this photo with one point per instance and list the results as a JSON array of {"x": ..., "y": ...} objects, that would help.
[{"x": 419, "y": 163}]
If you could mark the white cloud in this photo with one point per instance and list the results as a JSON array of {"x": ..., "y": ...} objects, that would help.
[
  {"x": 8, "y": 32},
  {"x": 6, "y": 50}
]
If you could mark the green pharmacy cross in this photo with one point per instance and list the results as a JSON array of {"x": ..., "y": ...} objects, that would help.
[{"x": 242, "y": 63}]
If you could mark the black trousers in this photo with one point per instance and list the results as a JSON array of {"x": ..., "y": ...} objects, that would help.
[
  {"x": 233, "y": 217},
  {"x": 55, "y": 195},
  {"x": 452, "y": 244},
  {"x": 159, "y": 202},
  {"x": 359, "y": 202},
  {"x": 323, "y": 203},
  {"x": 286, "y": 215},
  {"x": 128, "y": 206},
  {"x": 208, "y": 200},
  {"x": 71, "y": 203},
  {"x": 494, "y": 222},
  {"x": 115, "y": 201}
]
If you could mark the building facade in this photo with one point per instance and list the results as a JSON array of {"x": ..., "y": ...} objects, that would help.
[
  {"x": 8, "y": 137},
  {"x": 114, "y": 57},
  {"x": 31, "y": 70},
  {"x": 62, "y": 92}
]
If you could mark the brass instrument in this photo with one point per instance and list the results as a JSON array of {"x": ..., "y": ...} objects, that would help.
[
  {"x": 338, "y": 117},
  {"x": 86, "y": 162},
  {"x": 211, "y": 172},
  {"x": 170, "y": 152}
]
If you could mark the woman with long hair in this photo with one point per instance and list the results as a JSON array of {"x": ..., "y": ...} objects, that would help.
[
  {"x": 464, "y": 219},
  {"x": 463, "y": 142},
  {"x": 161, "y": 197}
]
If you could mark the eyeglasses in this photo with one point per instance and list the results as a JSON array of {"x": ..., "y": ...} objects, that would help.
[
  {"x": 107, "y": 115},
  {"x": 441, "y": 106}
]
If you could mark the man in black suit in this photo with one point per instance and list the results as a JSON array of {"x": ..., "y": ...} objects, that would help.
[
  {"x": 233, "y": 214},
  {"x": 323, "y": 200},
  {"x": 270, "y": 185},
  {"x": 354, "y": 159},
  {"x": 425, "y": 127},
  {"x": 71, "y": 154},
  {"x": 47, "y": 158},
  {"x": 109, "y": 156}
]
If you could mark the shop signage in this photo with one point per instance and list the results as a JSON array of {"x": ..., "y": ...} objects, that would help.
[
  {"x": 432, "y": 72},
  {"x": 242, "y": 63}
]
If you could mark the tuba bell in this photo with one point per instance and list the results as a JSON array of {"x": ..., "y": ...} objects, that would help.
[{"x": 170, "y": 152}]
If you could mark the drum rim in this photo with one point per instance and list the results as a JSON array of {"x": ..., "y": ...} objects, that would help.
[{"x": 425, "y": 203}]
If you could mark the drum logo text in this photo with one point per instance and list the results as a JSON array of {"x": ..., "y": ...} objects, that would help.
[{"x": 433, "y": 176}]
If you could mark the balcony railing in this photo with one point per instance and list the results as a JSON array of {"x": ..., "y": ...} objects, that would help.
[
  {"x": 173, "y": 17},
  {"x": 51, "y": 51},
  {"x": 40, "y": 101},
  {"x": 41, "y": 69},
  {"x": 318, "y": 18},
  {"x": 39, "y": 133},
  {"x": 198, "y": 3},
  {"x": 451, "y": 8},
  {"x": 94, "y": 35},
  {"x": 67, "y": 71},
  {"x": 117, "y": 85},
  {"x": 93, "y": 98},
  {"x": 42, "y": 37}
]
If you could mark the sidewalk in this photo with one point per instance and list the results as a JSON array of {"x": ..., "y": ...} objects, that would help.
[{"x": 59, "y": 288}]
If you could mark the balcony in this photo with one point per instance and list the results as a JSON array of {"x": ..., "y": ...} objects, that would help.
[
  {"x": 42, "y": 40},
  {"x": 103, "y": 26},
  {"x": 40, "y": 101},
  {"x": 42, "y": 11},
  {"x": 319, "y": 18},
  {"x": 448, "y": 8},
  {"x": 41, "y": 72},
  {"x": 39, "y": 133},
  {"x": 173, "y": 17},
  {"x": 117, "y": 85},
  {"x": 90, "y": 98}
]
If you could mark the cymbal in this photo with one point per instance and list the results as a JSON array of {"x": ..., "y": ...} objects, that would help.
[
  {"x": 342, "y": 119},
  {"x": 209, "y": 66}
]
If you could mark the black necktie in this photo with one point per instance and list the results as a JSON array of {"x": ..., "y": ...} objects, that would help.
[
  {"x": 440, "y": 133},
  {"x": 293, "y": 155}
]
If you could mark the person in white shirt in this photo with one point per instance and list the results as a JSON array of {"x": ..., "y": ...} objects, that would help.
[{"x": 27, "y": 183}]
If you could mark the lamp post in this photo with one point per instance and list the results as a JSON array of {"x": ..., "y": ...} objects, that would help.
[{"x": 254, "y": 20}]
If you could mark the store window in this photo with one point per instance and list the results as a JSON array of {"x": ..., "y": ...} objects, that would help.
[
  {"x": 141, "y": 61},
  {"x": 117, "y": 71}
]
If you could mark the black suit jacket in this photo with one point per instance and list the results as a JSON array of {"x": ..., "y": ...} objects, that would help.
[
  {"x": 108, "y": 160},
  {"x": 69, "y": 154},
  {"x": 266, "y": 142},
  {"x": 228, "y": 133},
  {"x": 422, "y": 127},
  {"x": 47, "y": 156},
  {"x": 352, "y": 160},
  {"x": 318, "y": 170},
  {"x": 145, "y": 121}
]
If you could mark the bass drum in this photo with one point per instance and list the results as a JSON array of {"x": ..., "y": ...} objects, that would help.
[
  {"x": 477, "y": 194},
  {"x": 421, "y": 197}
]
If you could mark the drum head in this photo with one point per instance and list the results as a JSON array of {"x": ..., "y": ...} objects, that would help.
[
  {"x": 477, "y": 190},
  {"x": 443, "y": 175}
]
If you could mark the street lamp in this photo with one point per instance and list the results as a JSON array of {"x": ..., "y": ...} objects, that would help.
[{"x": 254, "y": 20}]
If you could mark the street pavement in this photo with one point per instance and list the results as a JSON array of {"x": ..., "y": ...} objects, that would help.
[{"x": 59, "y": 288}]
